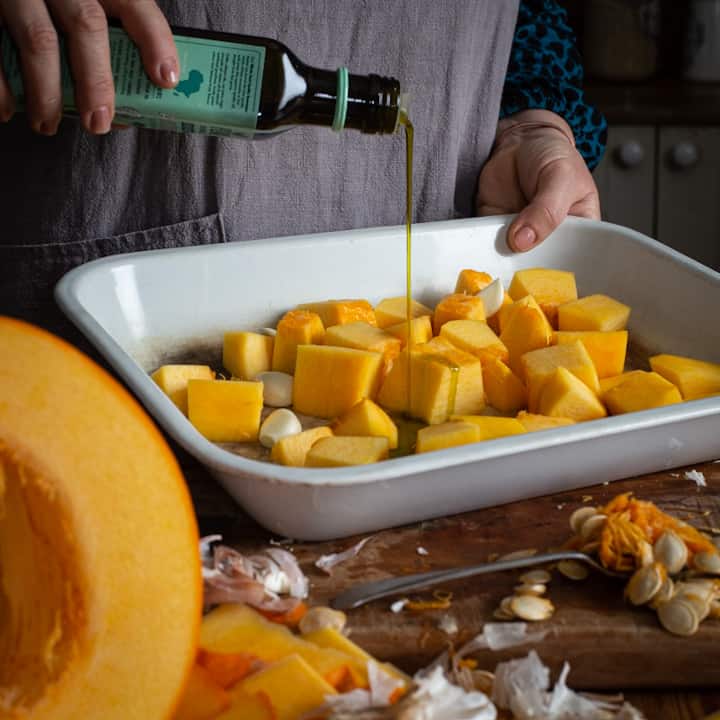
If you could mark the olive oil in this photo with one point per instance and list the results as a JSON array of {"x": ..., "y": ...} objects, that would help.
[{"x": 409, "y": 138}]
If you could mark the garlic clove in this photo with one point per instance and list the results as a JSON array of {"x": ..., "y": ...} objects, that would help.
[
  {"x": 277, "y": 388},
  {"x": 492, "y": 296},
  {"x": 279, "y": 424}
]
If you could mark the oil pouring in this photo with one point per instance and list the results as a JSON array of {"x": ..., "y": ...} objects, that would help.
[{"x": 232, "y": 85}]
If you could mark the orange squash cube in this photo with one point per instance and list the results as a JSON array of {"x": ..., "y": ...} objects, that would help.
[
  {"x": 446, "y": 435},
  {"x": 504, "y": 390},
  {"x": 420, "y": 327},
  {"x": 173, "y": 381},
  {"x": 527, "y": 329},
  {"x": 694, "y": 378},
  {"x": 363, "y": 336},
  {"x": 297, "y": 327},
  {"x": 248, "y": 706},
  {"x": 457, "y": 307},
  {"x": 247, "y": 354},
  {"x": 564, "y": 395},
  {"x": 550, "y": 288},
  {"x": 369, "y": 420},
  {"x": 593, "y": 312},
  {"x": 226, "y": 669},
  {"x": 606, "y": 349},
  {"x": 491, "y": 427},
  {"x": 611, "y": 382},
  {"x": 532, "y": 422},
  {"x": 476, "y": 338},
  {"x": 471, "y": 282},
  {"x": 338, "y": 451},
  {"x": 641, "y": 391},
  {"x": 203, "y": 698},
  {"x": 292, "y": 450},
  {"x": 340, "y": 312},
  {"x": 392, "y": 311}
]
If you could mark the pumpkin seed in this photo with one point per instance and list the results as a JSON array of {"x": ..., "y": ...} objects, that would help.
[
  {"x": 536, "y": 576},
  {"x": 517, "y": 554},
  {"x": 505, "y": 604},
  {"x": 530, "y": 589},
  {"x": 319, "y": 617},
  {"x": 714, "y": 610},
  {"x": 671, "y": 550},
  {"x": 707, "y": 562},
  {"x": 678, "y": 617},
  {"x": 592, "y": 526},
  {"x": 645, "y": 583},
  {"x": 664, "y": 594},
  {"x": 573, "y": 569},
  {"x": 500, "y": 614},
  {"x": 483, "y": 681},
  {"x": 580, "y": 516},
  {"x": 532, "y": 608},
  {"x": 591, "y": 547}
]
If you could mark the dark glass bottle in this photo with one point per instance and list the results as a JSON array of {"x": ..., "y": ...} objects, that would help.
[{"x": 235, "y": 85}]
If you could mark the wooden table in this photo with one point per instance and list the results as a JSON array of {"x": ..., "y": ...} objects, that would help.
[{"x": 608, "y": 644}]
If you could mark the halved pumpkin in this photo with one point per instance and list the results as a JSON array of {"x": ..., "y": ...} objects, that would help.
[{"x": 100, "y": 582}]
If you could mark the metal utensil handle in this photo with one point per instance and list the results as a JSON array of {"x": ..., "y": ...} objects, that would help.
[{"x": 361, "y": 594}]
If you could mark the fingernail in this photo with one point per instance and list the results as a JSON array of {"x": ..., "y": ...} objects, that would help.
[
  {"x": 99, "y": 121},
  {"x": 6, "y": 113},
  {"x": 168, "y": 73},
  {"x": 525, "y": 238},
  {"x": 47, "y": 127}
]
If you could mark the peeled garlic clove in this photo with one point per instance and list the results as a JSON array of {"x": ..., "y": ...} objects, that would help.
[
  {"x": 277, "y": 388},
  {"x": 678, "y": 617},
  {"x": 272, "y": 332},
  {"x": 707, "y": 562},
  {"x": 645, "y": 583},
  {"x": 279, "y": 424},
  {"x": 592, "y": 526},
  {"x": 573, "y": 569},
  {"x": 530, "y": 589},
  {"x": 492, "y": 296},
  {"x": 532, "y": 608},
  {"x": 671, "y": 551},
  {"x": 580, "y": 516},
  {"x": 320, "y": 617},
  {"x": 535, "y": 576}
]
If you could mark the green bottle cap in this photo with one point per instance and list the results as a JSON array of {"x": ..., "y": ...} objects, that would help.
[{"x": 342, "y": 99}]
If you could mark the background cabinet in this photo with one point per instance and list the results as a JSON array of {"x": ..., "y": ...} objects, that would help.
[{"x": 665, "y": 182}]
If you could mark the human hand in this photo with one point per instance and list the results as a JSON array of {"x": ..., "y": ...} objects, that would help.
[
  {"x": 84, "y": 24},
  {"x": 535, "y": 170}
]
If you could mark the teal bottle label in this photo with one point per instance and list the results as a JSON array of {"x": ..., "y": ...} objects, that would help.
[{"x": 218, "y": 93}]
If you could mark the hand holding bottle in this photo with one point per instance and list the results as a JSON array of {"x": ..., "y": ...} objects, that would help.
[
  {"x": 535, "y": 170},
  {"x": 84, "y": 25}
]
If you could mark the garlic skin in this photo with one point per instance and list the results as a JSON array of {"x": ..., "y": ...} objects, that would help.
[
  {"x": 492, "y": 297},
  {"x": 277, "y": 388},
  {"x": 277, "y": 425}
]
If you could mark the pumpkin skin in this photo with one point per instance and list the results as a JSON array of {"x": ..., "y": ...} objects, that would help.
[{"x": 100, "y": 580}]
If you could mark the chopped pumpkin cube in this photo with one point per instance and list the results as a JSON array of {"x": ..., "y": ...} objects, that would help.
[
  {"x": 297, "y": 327},
  {"x": 527, "y": 329},
  {"x": 564, "y": 395},
  {"x": 506, "y": 310},
  {"x": 532, "y": 422},
  {"x": 457, "y": 307},
  {"x": 330, "y": 380},
  {"x": 393, "y": 393},
  {"x": 694, "y": 378},
  {"x": 446, "y": 435},
  {"x": 471, "y": 282},
  {"x": 490, "y": 427},
  {"x": 494, "y": 320},
  {"x": 226, "y": 669},
  {"x": 606, "y": 349},
  {"x": 248, "y": 706},
  {"x": 293, "y": 449},
  {"x": 504, "y": 390},
  {"x": 203, "y": 698},
  {"x": 345, "y": 451},
  {"x": 475, "y": 337},
  {"x": 173, "y": 381},
  {"x": 550, "y": 288},
  {"x": 593, "y": 312},
  {"x": 392, "y": 311},
  {"x": 340, "y": 312},
  {"x": 641, "y": 391},
  {"x": 611, "y": 382},
  {"x": 363, "y": 336},
  {"x": 238, "y": 628},
  {"x": 225, "y": 410},
  {"x": 369, "y": 420},
  {"x": 247, "y": 354},
  {"x": 420, "y": 327},
  {"x": 539, "y": 365},
  {"x": 293, "y": 687}
]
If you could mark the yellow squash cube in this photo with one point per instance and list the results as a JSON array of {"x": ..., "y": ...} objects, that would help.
[
  {"x": 593, "y": 312},
  {"x": 457, "y": 307},
  {"x": 393, "y": 393},
  {"x": 173, "y": 381},
  {"x": 202, "y": 698},
  {"x": 392, "y": 311},
  {"x": 494, "y": 320},
  {"x": 694, "y": 378},
  {"x": 606, "y": 349},
  {"x": 550, "y": 288},
  {"x": 297, "y": 327},
  {"x": 490, "y": 427},
  {"x": 363, "y": 336},
  {"x": 420, "y": 327},
  {"x": 532, "y": 422},
  {"x": 471, "y": 282},
  {"x": 330, "y": 380},
  {"x": 504, "y": 390},
  {"x": 225, "y": 410},
  {"x": 539, "y": 365},
  {"x": 446, "y": 435},
  {"x": 293, "y": 687},
  {"x": 247, "y": 354},
  {"x": 293, "y": 449},
  {"x": 527, "y": 329},
  {"x": 340, "y": 312},
  {"x": 610, "y": 382},
  {"x": 367, "y": 419},
  {"x": 346, "y": 451},
  {"x": 565, "y": 395},
  {"x": 476, "y": 338},
  {"x": 507, "y": 309},
  {"x": 641, "y": 391},
  {"x": 246, "y": 706}
]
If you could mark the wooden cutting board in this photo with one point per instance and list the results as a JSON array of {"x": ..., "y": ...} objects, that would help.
[{"x": 608, "y": 644}]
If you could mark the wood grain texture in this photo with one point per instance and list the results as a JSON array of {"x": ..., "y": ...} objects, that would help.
[{"x": 609, "y": 645}]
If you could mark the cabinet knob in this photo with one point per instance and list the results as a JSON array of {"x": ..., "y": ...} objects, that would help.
[
  {"x": 630, "y": 154},
  {"x": 684, "y": 155}
]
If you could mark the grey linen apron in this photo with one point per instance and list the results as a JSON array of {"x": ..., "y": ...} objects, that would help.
[{"x": 73, "y": 198}]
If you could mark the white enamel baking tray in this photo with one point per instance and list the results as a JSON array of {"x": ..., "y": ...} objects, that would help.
[{"x": 143, "y": 309}]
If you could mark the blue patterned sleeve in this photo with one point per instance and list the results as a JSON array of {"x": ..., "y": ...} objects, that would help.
[{"x": 545, "y": 72}]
